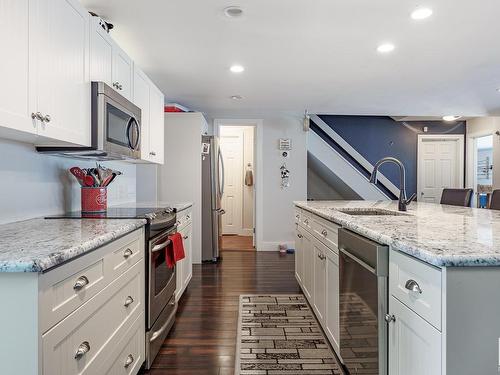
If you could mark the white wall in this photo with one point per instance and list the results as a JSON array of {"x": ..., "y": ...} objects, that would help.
[
  {"x": 274, "y": 209},
  {"x": 479, "y": 127},
  {"x": 35, "y": 185}
]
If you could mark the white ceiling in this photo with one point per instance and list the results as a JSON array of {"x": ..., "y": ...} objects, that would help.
[{"x": 316, "y": 54}]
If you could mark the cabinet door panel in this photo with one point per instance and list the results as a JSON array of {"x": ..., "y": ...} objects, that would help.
[
  {"x": 123, "y": 68},
  {"x": 188, "y": 268},
  {"x": 299, "y": 256},
  {"x": 63, "y": 78},
  {"x": 332, "y": 318},
  {"x": 142, "y": 99},
  {"x": 101, "y": 54},
  {"x": 156, "y": 126},
  {"x": 414, "y": 345},
  {"x": 319, "y": 299},
  {"x": 17, "y": 96},
  {"x": 307, "y": 249}
]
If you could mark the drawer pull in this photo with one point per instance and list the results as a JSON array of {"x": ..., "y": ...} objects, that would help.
[
  {"x": 128, "y": 361},
  {"x": 299, "y": 235},
  {"x": 321, "y": 256},
  {"x": 324, "y": 232},
  {"x": 185, "y": 237},
  {"x": 389, "y": 318},
  {"x": 80, "y": 282},
  {"x": 128, "y": 301},
  {"x": 413, "y": 286},
  {"x": 83, "y": 349},
  {"x": 188, "y": 217},
  {"x": 297, "y": 216},
  {"x": 127, "y": 253},
  {"x": 306, "y": 222}
]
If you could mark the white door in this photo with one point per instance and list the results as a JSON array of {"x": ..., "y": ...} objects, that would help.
[
  {"x": 101, "y": 54},
  {"x": 440, "y": 165},
  {"x": 231, "y": 145},
  {"x": 414, "y": 345},
  {"x": 123, "y": 71},
  {"x": 319, "y": 260},
  {"x": 299, "y": 256},
  {"x": 62, "y": 70},
  {"x": 142, "y": 99},
  {"x": 332, "y": 313},
  {"x": 17, "y": 95},
  {"x": 307, "y": 250},
  {"x": 156, "y": 125}
]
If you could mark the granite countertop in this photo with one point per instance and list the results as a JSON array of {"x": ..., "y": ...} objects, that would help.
[
  {"x": 38, "y": 245},
  {"x": 441, "y": 235}
]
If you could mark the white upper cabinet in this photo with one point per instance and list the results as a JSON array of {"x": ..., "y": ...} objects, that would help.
[
  {"x": 17, "y": 96},
  {"x": 141, "y": 98},
  {"x": 62, "y": 59},
  {"x": 123, "y": 71},
  {"x": 156, "y": 126},
  {"x": 101, "y": 54}
]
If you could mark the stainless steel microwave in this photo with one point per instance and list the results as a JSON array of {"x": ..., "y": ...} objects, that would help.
[{"x": 115, "y": 128}]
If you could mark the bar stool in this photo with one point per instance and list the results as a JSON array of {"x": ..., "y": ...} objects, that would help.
[
  {"x": 456, "y": 197},
  {"x": 495, "y": 200}
]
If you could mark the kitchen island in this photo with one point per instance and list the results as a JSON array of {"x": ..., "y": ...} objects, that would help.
[{"x": 443, "y": 279}]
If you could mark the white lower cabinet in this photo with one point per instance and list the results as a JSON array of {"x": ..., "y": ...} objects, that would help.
[
  {"x": 184, "y": 268},
  {"x": 414, "y": 344},
  {"x": 308, "y": 257},
  {"x": 332, "y": 320},
  {"x": 319, "y": 294}
]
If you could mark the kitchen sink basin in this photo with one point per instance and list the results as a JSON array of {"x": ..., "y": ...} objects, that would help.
[{"x": 370, "y": 212}]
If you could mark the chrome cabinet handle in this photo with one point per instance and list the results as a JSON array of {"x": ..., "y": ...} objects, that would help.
[
  {"x": 299, "y": 235},
  {"x": 324, "y": 232},
  {"x": 128, "y": 361},
  {"x": 83, "y": 349},
  {"x": 321, "y": 256},
  {"x": 80, "y": 282},
  {"x": 413, "y": 286},
  {"x": 189, "y": 217},
  {"x": 117, "y": 85},
  {"x": 46, "y": 118},
  {"x": 297, "y": 216},
  {"x": 152, "y": 153},
  {"x": 306, "y": 222},
  {"x": 128, "y": 301},
  {"x": 127, "y": 253},
  {"x": 389, "y": 318},
  {"x": 37, "y": 116},
  {"x": 185, "y": 237}
]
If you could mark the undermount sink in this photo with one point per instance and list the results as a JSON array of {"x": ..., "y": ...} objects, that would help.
[{"x": 370, "y": 212}]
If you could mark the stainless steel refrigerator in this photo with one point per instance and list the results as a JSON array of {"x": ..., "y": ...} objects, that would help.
[{"x": 212, "y": 179}]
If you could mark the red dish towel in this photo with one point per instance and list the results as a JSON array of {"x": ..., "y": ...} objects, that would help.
[{"x": 175, "y": 251}]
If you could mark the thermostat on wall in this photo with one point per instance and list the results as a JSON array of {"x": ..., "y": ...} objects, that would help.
[{"x": 285, "y": 144}]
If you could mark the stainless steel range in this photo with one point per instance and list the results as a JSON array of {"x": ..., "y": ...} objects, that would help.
[{"x": 160, "y": 280}]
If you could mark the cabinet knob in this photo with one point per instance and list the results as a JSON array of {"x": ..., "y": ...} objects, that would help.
[
  {"x": 413, "y": 286},
  {"x": 152, "y": 153},
  {"x": 128, "y": 301},
  {"x": 185, "y": 237},
  {"x": 127, "y": 253},
  {"x": 46, "y": 118},
  {"x": 80, "y": 283},
  {"x": 389, "y": 318},
  {"x": 306, "y": 222},
  {"x": 324, "y": 232},
  {"x": 128, "y": 361},
  {"x": 299, "y": 235},
  {"x": 37, "y": 116},
  {"x": 83, "y": 349}
]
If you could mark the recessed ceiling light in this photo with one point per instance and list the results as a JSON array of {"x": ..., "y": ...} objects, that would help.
[
  {"x": 451, "y": 118},
  {"x": 236, "y": 97},
  {"x": 498, "y": 89},
  {"x": 233, "y": 11},
  {"x": 237, "y": 69},
  {"x": 385, "y": 48},
  {"x": 421, "y": 13}
]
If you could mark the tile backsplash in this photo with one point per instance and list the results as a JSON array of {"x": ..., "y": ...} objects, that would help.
[{"x": 35, "y": 185}]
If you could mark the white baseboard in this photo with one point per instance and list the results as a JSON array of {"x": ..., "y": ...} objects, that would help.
[{"x": 274, "y": 246}]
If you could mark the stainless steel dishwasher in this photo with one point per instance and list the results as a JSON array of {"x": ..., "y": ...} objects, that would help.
[{"x": 364, "y": 271}]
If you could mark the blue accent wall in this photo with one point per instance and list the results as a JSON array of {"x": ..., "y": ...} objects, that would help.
[{"x": 375, "y": 137}]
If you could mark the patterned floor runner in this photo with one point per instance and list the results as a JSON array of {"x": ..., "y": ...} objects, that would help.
[{"x": 278, "y": 335}]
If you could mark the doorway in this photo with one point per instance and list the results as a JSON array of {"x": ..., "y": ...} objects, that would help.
[
  {"x": 440, "y": 165},
  {"x": 482, "y": 161},
  {"x": 237, "y": 148}
]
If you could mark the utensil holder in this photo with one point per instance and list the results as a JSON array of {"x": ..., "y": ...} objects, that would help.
[{"x": 94, "y": 199}]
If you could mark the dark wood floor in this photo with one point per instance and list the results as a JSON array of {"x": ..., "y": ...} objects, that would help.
[
  {"x": 203, "y": 339},
  {"x": 237, "y": 243}
]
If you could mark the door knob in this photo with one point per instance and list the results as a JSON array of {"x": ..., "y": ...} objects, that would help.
[{"x": 389, "y": 318}]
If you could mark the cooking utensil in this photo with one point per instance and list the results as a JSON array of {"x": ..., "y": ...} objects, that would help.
[{"x": 82, "y": 178}]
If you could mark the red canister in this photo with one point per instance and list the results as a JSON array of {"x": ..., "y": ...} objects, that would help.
[{"x": 94, "y": 199}]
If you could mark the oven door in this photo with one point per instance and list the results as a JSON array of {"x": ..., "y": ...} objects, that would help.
[
  {"x": 119, "y": 123},
  {"x": 162, "y": 280}
]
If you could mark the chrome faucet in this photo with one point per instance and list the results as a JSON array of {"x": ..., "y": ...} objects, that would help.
[{"x": 403, "y": 201}]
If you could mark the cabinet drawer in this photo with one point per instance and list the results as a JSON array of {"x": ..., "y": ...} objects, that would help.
[
  {"x": 129, "y": 251},
  {"x": 128, "y": 356},
  {"x": 184, "y": 218},
  {"x": 95, "y": 327},
  {"x": 298, "y": 213},
  {"x": 326, "y": 231},
  {"x": 417, "y": 285},
  {"x": 306, "y": 219}
]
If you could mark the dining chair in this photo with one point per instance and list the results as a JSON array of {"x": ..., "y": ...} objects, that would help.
[
  {"x": 456, "y": 197},
  {"x": 495, "y": 200}
]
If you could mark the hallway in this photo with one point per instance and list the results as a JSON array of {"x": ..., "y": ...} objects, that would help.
[{"x": 203, "y": 338}]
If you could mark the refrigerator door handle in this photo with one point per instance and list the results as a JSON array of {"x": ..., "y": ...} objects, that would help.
[{"x": 221, "y": 160}]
